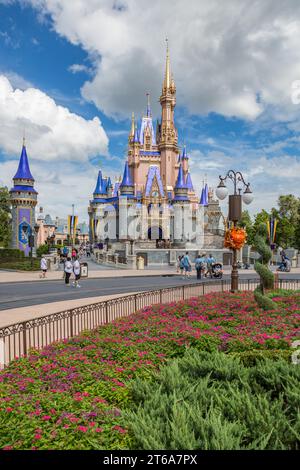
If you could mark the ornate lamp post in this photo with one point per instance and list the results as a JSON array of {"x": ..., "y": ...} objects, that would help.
[{"x": 235, "y": 210}]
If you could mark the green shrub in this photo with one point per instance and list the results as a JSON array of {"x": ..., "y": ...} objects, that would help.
[
  {"x": 211, "y": 401},
  {"x": 42, "y": 250},
  {"x": 11, "y": 253}
]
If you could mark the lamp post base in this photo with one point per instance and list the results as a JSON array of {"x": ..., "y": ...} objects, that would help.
[{"x": 234, "y": 274}]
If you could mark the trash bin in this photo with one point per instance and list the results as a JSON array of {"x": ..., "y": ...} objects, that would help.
[
  {"x": 140, "y": 262},
  {"x": 294, "y": 262},
  {"x": 84, "y": 269}
]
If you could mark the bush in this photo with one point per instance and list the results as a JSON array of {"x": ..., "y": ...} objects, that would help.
[
  {"x": 42, "y": 250},
  {"x": 211, "y": 401},
  {"x": 11, "y": 253}
]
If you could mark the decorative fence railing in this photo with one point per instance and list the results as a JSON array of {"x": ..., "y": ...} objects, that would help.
[{"x": 16, "y": 340}]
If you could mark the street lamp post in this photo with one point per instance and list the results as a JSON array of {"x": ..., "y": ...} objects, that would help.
[{"x": 235, "y": 210}]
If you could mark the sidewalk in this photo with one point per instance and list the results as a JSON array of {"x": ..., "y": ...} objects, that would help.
[
  {"x": 17, "y": 315},
  {"x": 17, "y": 276}
]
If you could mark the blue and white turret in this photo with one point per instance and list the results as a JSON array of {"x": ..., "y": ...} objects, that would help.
[{"x": 23, "y": 198}]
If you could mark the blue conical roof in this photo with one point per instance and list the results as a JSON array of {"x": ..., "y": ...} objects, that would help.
[
  {"x": 188, "y": 182},
  {"x": 180, "y": 183},
  {"x": 127, "y": 180},
  {"x": 184, "y": 154},
  {"x": 204, "y": 197},
  {"x": 23, "y": 171},
  {"x": 206, "y": 194},
  {"x": 136, "y": 136},
  {"x": 109, "y": 183},
  {"x": 100, "y": 186}
]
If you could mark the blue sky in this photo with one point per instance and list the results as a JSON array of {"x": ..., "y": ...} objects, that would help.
[{"x": 71, "y": 75}]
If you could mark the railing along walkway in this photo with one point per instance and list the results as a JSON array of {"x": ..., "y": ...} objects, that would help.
[{"x": 17, "y": 339}]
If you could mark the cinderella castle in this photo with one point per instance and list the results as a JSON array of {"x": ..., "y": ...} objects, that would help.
[
  {"x": 155, "y": 204},
  {"x": 154, "y": 212}
]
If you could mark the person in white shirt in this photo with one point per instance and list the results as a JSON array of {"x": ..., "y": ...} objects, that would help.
[
  {"x": 76, "y": 269},
  {"x": 44, "y": 267},
  {"x": 68, "y": 271}
]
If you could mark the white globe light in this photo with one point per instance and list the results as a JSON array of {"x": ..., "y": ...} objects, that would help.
[
  {"x": 221, "y": 191},
  {"x": 247, "y": 196}
]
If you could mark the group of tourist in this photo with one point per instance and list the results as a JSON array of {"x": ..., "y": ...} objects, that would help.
[
  {"x": 203, "y": 265},
  {"x": 83, "y": 250},
  {"x": 71, "y": 265},
  {"x": 163, "y": 243}
]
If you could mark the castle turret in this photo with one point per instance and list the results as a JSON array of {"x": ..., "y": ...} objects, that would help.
[
  {"x": 23, "y": 198},
  {"x": 127, "y": 185},
  {"x": 101, "y": 187},
  {"x": 180, "y": 190},
  {"x": 185, "y": 161}
]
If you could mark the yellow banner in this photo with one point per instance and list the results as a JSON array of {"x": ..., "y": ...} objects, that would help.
[{"x": 75, "y": 227}]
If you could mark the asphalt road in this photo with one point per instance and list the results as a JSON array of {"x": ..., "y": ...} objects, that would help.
[{"x": 23, "y": 294}]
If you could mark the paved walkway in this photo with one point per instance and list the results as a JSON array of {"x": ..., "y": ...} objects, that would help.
[
  {"x": 16, "y": 315},
  {"x": 18, "y": 276}
]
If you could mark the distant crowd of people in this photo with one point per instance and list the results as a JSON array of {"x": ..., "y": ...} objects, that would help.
[
  {"x": 204, "y": 265},
  {"x": 70, "y": 258}
]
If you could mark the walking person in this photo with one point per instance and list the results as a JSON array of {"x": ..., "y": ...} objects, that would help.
[
  {"x": 187, "y": 266},
  {"x": 76, "y": 269},
  {"x": 68, "y": 271},
  {"x": 44, "y": 267},
  {"x": 210, "y": 261},
  {"x": 199, "y": 266}
]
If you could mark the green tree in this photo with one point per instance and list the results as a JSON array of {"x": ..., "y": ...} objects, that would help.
[
  {"x": 5, "y": 217},
  {"x": 42, "y": 250},
  {"x": 247, "y": 224},
  {"x": 288, "y": 216}
]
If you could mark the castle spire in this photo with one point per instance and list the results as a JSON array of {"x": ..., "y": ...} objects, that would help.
[
  {"x": 23, "y": 171},
  {"x": 100, "y": 185},
  {"x": 148, "y": 105},
  {"x": 136, "y": 136},
  {"x": 167, "y": 80},
  {"x": 132, "y": 126}
]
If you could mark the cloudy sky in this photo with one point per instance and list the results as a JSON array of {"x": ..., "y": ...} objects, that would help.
[{"x": 71, "y": 73}]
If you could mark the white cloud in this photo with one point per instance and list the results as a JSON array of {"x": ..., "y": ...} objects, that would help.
[
  {"x": 53, "y": 132},
  {"x": 233, "y": 58},
  {"x": 78, "y": 68}
]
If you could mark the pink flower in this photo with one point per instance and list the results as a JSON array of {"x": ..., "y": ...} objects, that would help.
[
  {"x": 74, "y": 420},
  {"x": 46, "y": 418},
  {"x": 92, "y": 424},
  {"x": 9, "y": 409},
  {"x": 99, "y": 429},
  {"x": 7, "y": 448},
  {"x": 82, "y": 428},
  {"x": 37, "y": 436},
  {"x": 120, "y": 429}
]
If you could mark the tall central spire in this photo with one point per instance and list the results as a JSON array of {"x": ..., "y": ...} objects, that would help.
[
  {"x": 167, "y": 81},
  {"x": 168, "y": 137},
  {"x": 148, "y": 105}
]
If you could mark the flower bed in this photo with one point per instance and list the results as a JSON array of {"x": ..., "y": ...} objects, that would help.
[{"x": 70, "y": 394}]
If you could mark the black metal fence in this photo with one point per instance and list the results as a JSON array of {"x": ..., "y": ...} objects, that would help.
[{"x": 16, "y": 340}]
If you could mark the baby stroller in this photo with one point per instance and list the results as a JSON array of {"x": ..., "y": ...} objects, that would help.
[
  {"x": 285, "y": 266},
  {"x": 217, "y": 270}
]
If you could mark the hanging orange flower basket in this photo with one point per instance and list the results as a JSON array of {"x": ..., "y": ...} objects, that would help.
[{"x": 235, "y": 238}]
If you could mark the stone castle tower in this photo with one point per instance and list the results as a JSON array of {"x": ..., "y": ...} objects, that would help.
[{"x": 23, "y": 199}]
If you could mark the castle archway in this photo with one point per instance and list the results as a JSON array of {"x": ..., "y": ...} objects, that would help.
[{"x": 155, "y": 233}]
